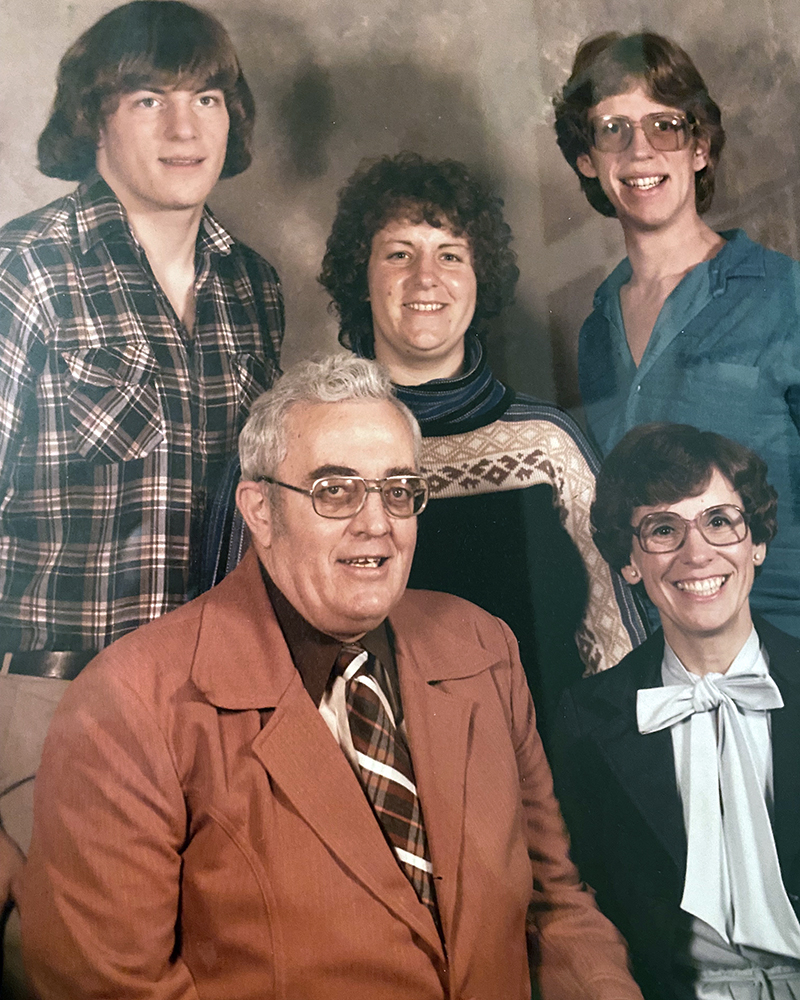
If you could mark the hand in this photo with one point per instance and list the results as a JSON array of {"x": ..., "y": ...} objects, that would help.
[{"x": 11, "y": 862}]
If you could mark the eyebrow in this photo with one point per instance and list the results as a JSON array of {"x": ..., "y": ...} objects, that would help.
[
  {"x": 343, "y": 470},
  {"x": 458, "y": 242},
  {"x": 159, "y": 89}
]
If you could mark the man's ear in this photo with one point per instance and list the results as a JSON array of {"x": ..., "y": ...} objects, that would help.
[
  {"x": 586, "y": 167},
  {"x": 702, "y": 149},
  {"x": 255, "y": 508}
]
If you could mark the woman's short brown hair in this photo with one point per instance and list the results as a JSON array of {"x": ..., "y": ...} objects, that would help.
[
  {"x": 143, "y": 43},
  {"x": 408, "y": 186},
  {"x": 664, "y": 463},
  {"x": 611, "y": 64}
]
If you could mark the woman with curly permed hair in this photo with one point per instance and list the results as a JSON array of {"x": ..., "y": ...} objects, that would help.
[{"x": 418, "y": 259}]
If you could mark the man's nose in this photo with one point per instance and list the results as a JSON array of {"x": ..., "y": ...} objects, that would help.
[
  {"x": 180, "y": 119},
  {"x": 373, "y": 518},
  {"x": 640, "y": 145}
]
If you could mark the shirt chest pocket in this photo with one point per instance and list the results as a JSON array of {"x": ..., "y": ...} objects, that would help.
[
  {"x": 253, "y": 375},
  {"x": 114, "y": 407}
]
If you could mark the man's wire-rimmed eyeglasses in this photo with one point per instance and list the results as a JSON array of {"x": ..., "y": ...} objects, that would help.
[
  {"x": 666, "y": 531},
  {"x": 345, "y": 496},
  {"x": 666, "y": 131}
]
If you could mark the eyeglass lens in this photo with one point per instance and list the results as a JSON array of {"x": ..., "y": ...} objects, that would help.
[
  {"x": 342, "y": 496},
  {"x": 665, "y": 531},
  {"x": 665, "y": 132}
]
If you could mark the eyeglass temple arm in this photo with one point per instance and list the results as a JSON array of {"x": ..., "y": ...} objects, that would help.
[{"x": 286, "y": 486}]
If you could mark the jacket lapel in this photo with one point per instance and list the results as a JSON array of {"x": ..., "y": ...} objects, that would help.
[
  {"x": 299, "y": 753},
  {"x": 784, "y": 666},
  {"x": 437, "y": 723},
  {"x": 643, "y": 764},
  {"x": 242, "y": 663}
]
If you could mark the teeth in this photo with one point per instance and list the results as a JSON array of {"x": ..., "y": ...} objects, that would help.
[
  {"x": 424, "y": 306},
  {"x": 372, "y": 562},
  {"x": 704, "y": 587},
  {"x": 643, "y": 183}
]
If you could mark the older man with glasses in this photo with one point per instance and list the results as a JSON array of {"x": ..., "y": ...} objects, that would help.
[{"x": 310, "y": 782}]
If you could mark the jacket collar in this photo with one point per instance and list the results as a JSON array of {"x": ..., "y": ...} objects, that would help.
[{"x": 257, "y": 669}]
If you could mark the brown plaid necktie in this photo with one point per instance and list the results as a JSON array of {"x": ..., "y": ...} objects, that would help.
[{"x": 386, "y": 771}]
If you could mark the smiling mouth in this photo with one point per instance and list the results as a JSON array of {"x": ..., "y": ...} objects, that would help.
[
  {"x": 644, "y": 183},
  {"x": 424, "y": 306},
  {"x": 182, "y": 161},
  {"x": 365, "y": 562},
  {"x": 703, "y": 588}
]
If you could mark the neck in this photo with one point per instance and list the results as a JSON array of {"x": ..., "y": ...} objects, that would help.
[
  {"x": 709, "y": 653},
  {"x": 668, "y": 254},
  {"x": 417, "y": 372},
  {"x": 169, "y": 238}
]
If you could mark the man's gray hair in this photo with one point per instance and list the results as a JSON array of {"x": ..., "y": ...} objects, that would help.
[{"x": 337, "y": 378}]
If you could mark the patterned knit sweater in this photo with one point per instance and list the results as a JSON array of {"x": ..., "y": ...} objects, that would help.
[{"x": 512, "y": 481}]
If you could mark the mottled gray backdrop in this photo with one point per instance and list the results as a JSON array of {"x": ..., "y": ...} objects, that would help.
[{"x": 336, "y": 80}]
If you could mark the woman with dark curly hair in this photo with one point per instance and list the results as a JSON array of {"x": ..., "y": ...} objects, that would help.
[
  {"x": 677, "y": 770},
  {"x": 694, "y": 325},
  {"x": 418, "y": 258}
]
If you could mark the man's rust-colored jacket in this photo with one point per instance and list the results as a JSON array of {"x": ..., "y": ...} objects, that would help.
[{"x": 199, "y": 833}]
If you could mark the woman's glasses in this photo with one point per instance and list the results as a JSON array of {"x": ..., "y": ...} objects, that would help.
[{"x": 666, "y": 531}]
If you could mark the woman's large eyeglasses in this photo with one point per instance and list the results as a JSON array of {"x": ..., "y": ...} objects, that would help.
[
  {"x": 666, "y": 131},
  {"x": 666, "y": 531},
  {"x": 345, "y": 496}
]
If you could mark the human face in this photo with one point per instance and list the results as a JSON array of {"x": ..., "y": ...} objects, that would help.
[
  {"x": 164, "y": 148},
  {"x": 649, "y": 189},
  {"x": 701, "y": 590},
  {"x": 422, "y": 290},
  {"x": 343, "y": 576}
]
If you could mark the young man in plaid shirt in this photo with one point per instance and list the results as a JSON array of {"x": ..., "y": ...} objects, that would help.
[{"x": 134, "y": 333}]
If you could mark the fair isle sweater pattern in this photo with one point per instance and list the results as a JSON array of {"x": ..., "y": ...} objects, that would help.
[{"x": 535, "y": 443}]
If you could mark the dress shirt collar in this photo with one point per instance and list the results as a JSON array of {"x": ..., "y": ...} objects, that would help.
[
  {"x": 750, "y": 659},
  {"x": 314, "y": 653},
  {"x": 100, "y": 216}
]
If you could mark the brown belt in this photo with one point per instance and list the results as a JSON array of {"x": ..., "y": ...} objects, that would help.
[{"x": 65, "y": 665}]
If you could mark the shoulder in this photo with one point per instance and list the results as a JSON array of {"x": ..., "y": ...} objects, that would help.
[
  {"x": 742, "y": 256},
  {"x": 639, "y": 669},
  {"x": 54, "y": 223},
  {"x": 152, "y": 662},
  {"x": 546, "y": 419},
  {"x": 779, "y": 644},
  {"x": 433, "y": 613},
  {"x": 237, "y": 251}
]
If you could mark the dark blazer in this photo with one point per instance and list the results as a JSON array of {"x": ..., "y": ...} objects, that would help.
[{"x": 619, "y": 796}]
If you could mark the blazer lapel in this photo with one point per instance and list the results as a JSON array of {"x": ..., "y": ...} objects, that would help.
[
  {"x": 299, "y": 753},
  {"x": 438, "y": 724},
  {"x": 644, "y": 764},
  {"x": 242, "y": 663},
  {"x": 784, "y": 666}
]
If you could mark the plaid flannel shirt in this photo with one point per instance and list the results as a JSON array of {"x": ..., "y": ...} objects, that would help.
[{"x": 115, "y": 420}]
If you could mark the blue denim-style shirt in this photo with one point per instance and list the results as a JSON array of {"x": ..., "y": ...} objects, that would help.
[{"x": 724, "y": 355}]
